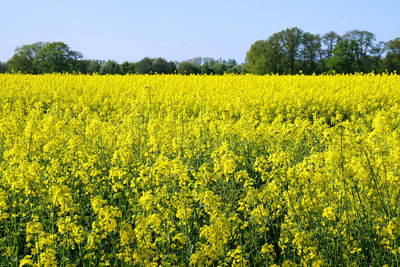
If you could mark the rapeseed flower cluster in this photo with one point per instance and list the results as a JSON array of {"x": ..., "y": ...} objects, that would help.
[{"x": 175, "y": 170}]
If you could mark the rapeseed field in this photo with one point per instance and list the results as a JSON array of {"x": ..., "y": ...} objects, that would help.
[{"x": 173, "y": 170}]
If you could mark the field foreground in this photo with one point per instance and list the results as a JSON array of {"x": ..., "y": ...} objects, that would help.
[{"x": 199, "y": 170}]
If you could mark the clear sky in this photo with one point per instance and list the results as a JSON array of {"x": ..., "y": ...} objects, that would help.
[{"x": 125, "y": 30}]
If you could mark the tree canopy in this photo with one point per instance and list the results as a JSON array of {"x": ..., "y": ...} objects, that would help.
[
  {"x": 24, "y": 58},
  {"x": 43, "y": 57},
  {"x": 292, "y": 51},
  {"x": 289, "y": 51},
  {"x": 393, "y": 55},
  {"x": 187, "y": 67}
]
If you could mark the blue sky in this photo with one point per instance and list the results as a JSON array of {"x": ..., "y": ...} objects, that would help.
[{"x": 178, "y": 30}]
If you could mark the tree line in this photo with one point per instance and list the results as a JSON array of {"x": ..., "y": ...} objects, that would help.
[
  {"x": 290, "y": 51},
  {"x": 58, "y": 57}
]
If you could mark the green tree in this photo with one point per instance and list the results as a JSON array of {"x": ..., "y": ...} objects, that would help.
[
  {"x": 197, "y": 61},
  {"x": 56, "y": 57},
  {"x": 160, "y": 65},
  {"x": 205, "y": 68},
  {"x": 258, "y": 57},
  {"x": 267, "y": 56},
  {"x": 376, "y": 55},
  {"x": 310, "y": 52},
  {"x": 94, "y": 66},
  {"x": 188, "y": 68},
  {"x": 3, "y": 67},
  {"x": 329, "y": 40},
  {"x": 277, "y": 58},
  {"x": 232, "y": 66},
  {"x": 292, "y": 39},
  {"x": 24, "y": 57},
  {"x": 219, "y": 66},
  {"x": 365, "y": 41},
  {"x": 280, "y": 53},
  {"x": 110, "y": 67},
  {"x": 207, "y": 65},
  {"x": 82, "y": 66},
  {"x": 345, "y": 57},
  {"x": 392, "y": 60},
  {"x": 291, "y": 50},
  {"x": 127, "y": 67},
  {"x": 144, "y": 66},
  {"x": 171, "y": 67}
]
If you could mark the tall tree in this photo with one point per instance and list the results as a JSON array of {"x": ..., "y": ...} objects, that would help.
[
  {"x": 376, "y": 54},
  {"x": 291, "y": 43},
  {"x": 392, "y": 60},
  {"x": 24, "y": 57},
  {"x": 310, "y": 49},
  {"x": 345, "y": 57},
  {"x": 277, "y": 57},
  {"x": 267, "y": 56},
  {"x": 56, "y": 57},
  {"x": 329, "y": 40},
  {"x": 257, "y": 57},
  {"x": 365, "y": 41}
]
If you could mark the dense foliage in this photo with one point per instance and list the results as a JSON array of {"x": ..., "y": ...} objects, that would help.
[
  {"x": 291, "y": 51},
  {"x": 57, "y": 57},
  {"x": 44, "y": 58},
  {"x": 202, "y": 170}
]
